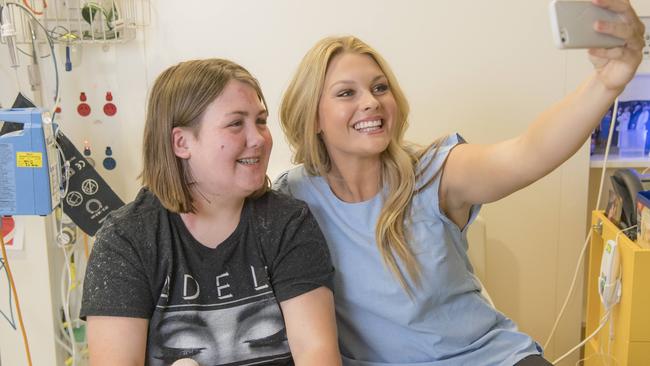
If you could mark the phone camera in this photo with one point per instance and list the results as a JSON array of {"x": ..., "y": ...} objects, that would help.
[{"x": 563, "y": 36}]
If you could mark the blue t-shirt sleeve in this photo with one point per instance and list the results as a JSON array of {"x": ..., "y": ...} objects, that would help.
[
  {"x": 429, "y": 173},
  {"x": 281, "y": 183}
]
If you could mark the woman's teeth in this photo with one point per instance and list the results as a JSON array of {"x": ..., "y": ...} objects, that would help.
[
  {"x": 248, "y": 161},
  {"x": 368, "y": 126}
]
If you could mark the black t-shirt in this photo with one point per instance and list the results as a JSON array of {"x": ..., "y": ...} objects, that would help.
[{"x": 217, "y": 306}]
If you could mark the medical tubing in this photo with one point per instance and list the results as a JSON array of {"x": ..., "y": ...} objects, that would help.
[
  {"x": 586, "y": 244},
  {"x": 15, "y": 293}
]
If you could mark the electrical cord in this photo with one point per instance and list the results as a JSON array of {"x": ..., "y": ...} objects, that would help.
[
  {"x": 28, "y": 54},
  {"x": 586, "y": 243},
  {"x": 600, "y": 354},
  {"x": 10, "y": 319},
  {"x": 51, "y": 45},
  {"x": 54, "y": 32},
  {"x": 608, "y": 312},
  {"x": 68, "y": 270},
  {"x": 65, "y": 299},
  {"x": 15, "y": 292},
  {"x": 603, "y": 321}
]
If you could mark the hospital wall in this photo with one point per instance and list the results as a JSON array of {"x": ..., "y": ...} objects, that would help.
[{"x": 483, "y": 69}]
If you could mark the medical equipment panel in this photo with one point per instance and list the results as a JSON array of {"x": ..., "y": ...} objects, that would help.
[{"x": 29, "y": 173}]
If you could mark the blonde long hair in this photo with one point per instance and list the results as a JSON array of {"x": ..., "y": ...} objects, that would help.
[{"x": 298, "y": 116}]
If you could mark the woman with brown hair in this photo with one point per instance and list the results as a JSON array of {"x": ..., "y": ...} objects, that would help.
[
  {"x": 207, "y": 263},
  {"x": 395, "y": 217}
]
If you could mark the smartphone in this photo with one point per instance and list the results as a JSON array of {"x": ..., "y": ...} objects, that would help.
[{"x": 572, "y": 23}]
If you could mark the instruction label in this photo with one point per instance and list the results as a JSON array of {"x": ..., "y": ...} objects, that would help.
[
  {"x": 89, "y": 198},
  {"x": 29, "y": 159},
  {"x": 7, "y": 179}
]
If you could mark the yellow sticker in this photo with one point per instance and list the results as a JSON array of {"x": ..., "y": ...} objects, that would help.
[{"x": 29, "y": 159}]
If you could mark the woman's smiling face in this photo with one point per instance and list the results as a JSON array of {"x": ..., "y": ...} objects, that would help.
[{"x": 357, "y": 109}]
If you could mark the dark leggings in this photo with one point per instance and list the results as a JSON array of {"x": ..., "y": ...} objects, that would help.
[{"x": 534, "y": 360}]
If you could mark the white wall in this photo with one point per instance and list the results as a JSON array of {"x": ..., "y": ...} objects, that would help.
[{"x": 484, "y": 69}]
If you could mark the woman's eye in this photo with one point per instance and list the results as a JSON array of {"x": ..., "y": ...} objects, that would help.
[
  {"x": 171, "y": 354},
  {"x": 273, "y": 340},
  {"x": 261, "y": 121},
  {"x": 236, "y": 123},
  {"x": 380, "y": 88},
  {"x": 345, "y": 93}
]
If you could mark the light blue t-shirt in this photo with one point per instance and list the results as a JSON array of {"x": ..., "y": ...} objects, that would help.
[{"x": 447, "y": 322}]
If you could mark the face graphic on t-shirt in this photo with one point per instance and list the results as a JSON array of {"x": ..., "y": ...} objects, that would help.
[{"x": 219, "y": 336}]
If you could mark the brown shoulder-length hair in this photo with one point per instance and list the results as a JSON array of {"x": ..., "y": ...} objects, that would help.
[
  {"x": 179, "y": 98},
  {"x": 298, "y": 117}
]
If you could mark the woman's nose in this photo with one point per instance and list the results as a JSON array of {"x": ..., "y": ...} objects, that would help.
[
  {"x": 255, "y": 138},
  {"x": 369, "y": 102}
]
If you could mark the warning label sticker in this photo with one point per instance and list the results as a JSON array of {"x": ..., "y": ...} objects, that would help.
[{"x": 29, "y": 159}]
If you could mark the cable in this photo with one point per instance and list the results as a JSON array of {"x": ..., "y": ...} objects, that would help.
[
  {"x": 15, "y": 292},
  {"x": 64, "y": 166},
  {"x": 62, "y": 344},
  {"x": 8, "y": 34},
  {"x": 12, "y": 321},
  {"x": 51, "y": 44},
  {"x": 571, "y": 288},
  {"x": 612, "y": 124},
  {"x": 65, "y": 299},
  {"x": 28, "y": 54},
  {"x": 586, "y": 243},
  {"x": 608, "y": 309},
  {"x": 59, "y": 34},
  {"x": 603, "y": 321},
  {"x": 600, "y": 354},
  {"x": 66, "y": 291}
]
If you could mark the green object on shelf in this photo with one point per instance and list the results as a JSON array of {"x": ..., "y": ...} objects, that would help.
[
  {"x": 89, "y": 12},
  {"x": 79, "y": 333}
]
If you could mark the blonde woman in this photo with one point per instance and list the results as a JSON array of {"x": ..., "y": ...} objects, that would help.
[
  {"x": 395, "y": 218},
  {"x": 207, "y": 264}
]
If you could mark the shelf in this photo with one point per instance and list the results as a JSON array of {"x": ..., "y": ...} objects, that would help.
[
  {"x": 630, "y": 319},
  {"x": 616, "y": 161}
]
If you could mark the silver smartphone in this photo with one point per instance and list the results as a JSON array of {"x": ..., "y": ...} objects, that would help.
[{"x": 572, "y": 23}]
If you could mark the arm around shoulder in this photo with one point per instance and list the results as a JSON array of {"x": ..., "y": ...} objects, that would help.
[
  {"x": 116, "y": 340},
  {"x": 311, "y": 328}
]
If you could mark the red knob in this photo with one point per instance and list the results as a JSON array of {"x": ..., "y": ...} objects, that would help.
[
  {"x": 83, "y": 109},
  {"x": 109, "y": 96},
  {"x": 82, "y": 97},
  {"x": 110, "y": 109}
]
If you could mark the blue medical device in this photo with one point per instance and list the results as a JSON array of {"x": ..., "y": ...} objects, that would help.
[{"x": 29, "y": 169}]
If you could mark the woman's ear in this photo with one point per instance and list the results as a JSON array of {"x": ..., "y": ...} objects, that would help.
[{"x": 180, "y": 143}]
